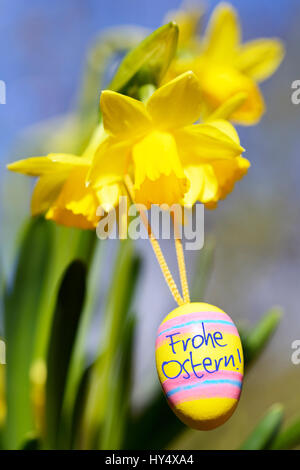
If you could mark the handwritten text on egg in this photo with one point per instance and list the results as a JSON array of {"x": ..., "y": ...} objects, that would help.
[{"x": 197, "y": 341}]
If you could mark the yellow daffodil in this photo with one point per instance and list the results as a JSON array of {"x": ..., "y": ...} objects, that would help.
[
  {"x": 226, "y": 67},
  {"x": 211, "y": 182},
  {"x": 61, "y": 191},
  {"x": 170, "y": 159},
  {"x": 188, "y": 20}
]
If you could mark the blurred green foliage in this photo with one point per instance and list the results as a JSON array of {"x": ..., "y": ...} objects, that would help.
[{"x": 266, "y": 431}]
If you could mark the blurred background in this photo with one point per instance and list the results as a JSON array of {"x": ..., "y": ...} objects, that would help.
[{"x": 43, "y": 47}]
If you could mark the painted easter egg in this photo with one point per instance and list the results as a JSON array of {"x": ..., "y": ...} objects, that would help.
[{"x": 199, "y": 360}]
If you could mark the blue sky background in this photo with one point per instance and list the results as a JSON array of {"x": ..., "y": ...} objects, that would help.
[{"x": 43, "y": 45}]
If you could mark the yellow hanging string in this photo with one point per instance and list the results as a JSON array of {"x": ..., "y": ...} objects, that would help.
[
  {"x": 159, "y": 255},
  {"x": 181, "y": 262}
]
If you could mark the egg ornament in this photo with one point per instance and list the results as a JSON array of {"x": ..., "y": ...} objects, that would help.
[{"x": 199, "y": 360}]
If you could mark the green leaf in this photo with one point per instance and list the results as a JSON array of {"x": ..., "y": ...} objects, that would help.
[
  {"x": 256, "y": 339},
  {"x": 112, "y": 435},
  {"x": 21, "y": 313},
  {"x": 74, "y": 427},
  {"x": 266, "y": 431},
  {"x": 150, "y": 59},
  {"x": 31, "y": 443},
  {"x": 45, "y": 251},
  {"x": 104, "y": 379},
  {"x": 68, "y": 244},
  {"x": 79, "y": 360},
  {"x": 2, "y": 403},
  {"x": 64, "y": 328},
  {"x": 288, "y": 438}
]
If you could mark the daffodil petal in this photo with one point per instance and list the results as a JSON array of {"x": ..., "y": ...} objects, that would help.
[
  {"x": 195, "y": 177},
  {"x": 123, "y": 116},
  {"x": 177, "y": 103},
  {"x": 220, "y": 82},
  {"x": 110, "y": 163},
  {"x": 53, "y": 162},
  {"x": 66, "y": 217},
  {"x": 202, "y": 143},
  {"x": 210, "y": 183},
  {"x": 109, "y": 195},
  {"x": 227, "y": 109},
  {"x": 223, "y": 34},
  {"x": 227, "y": 128},
  {"x": 76, "y": 205},
  {"x": 228, "y": 173},
  {"x": 203, "y": 185},
  {"x": 260, "y": 58},
  {"x": 46, "y": 191}
]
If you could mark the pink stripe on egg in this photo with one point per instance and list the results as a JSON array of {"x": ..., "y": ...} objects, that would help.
[
  {"x": 170, "y": 384},
  {"x": 193, "y": 317},
  {"x": 206, "y": 391}
]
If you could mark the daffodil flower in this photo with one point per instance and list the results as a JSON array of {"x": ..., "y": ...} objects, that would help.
[
  {"x": 61, "y": 192},
  {"x": 226, "y": 67},
  {"x": 171, "y": 159}
]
